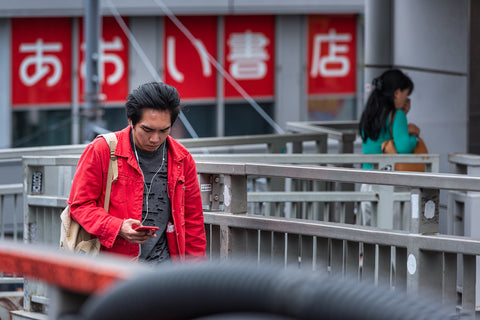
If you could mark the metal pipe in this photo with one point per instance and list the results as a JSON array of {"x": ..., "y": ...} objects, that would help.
[{"x": 92, "y": 27}]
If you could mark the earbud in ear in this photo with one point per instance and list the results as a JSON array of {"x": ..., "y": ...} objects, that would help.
[{"x": 131, "y": 125}]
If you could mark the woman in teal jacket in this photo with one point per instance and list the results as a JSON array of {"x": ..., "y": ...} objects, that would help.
[
  {"x": 386, "y": 109},
  {"x": 386, "y": 114}
]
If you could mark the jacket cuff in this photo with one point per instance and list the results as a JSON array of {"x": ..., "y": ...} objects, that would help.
[{"x": 109, "y": 239}]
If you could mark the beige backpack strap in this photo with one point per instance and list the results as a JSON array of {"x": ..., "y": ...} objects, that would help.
[
  {"x": 111, "y": 139},
  {"x": 391, "y": 118}
]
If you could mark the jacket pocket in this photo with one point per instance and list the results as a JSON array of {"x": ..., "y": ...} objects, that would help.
[
  {"x": 172, "y": 242},
  {"x": 122, "y": 190}
]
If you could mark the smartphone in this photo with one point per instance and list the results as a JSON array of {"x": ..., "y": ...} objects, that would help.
[{"x": 151, "y": 230}]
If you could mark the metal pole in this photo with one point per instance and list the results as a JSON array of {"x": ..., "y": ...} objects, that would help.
[
  {"x": 92, "y": 27},
  {"x": 220, "y": 112},
  {"x": 6, "y": 117},
  {"x": 75, "y": 130}
]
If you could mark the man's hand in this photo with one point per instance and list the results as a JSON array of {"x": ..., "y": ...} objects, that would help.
[{"x": 127, "y": 232}]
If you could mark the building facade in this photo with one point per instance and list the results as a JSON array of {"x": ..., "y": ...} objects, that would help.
[
  {"x": 243, "y": 66},
  {"x": 240, "y": 68}
]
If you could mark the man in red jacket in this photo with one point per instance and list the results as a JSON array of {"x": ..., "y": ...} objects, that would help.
[{"x": 157, "y": 185}]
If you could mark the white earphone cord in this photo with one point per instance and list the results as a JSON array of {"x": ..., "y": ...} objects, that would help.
[{"x": 143, "y": 175}]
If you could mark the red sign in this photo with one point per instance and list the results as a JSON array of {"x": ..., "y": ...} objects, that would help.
[
  {"x": 249, "y": 46},
  {"x": 187, "y": 65},
  {"x": 41, "y": 61},
  {"x": 331, "y": 54},
  {"x": 113, "y": 64}
]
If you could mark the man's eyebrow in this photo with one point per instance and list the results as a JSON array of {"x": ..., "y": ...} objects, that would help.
[
  {"x": 165, "y": 129},
  {"x": 148, "y": 128}
]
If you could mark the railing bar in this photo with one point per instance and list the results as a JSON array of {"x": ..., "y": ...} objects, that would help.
[
  {"x": 318, "y": 159},
  {"x": 399, "y": 238},
  {"x": 210, "y": 240},
  {"x": 400, "y": 269},
  {"x": 384, "y": 256},
  {"x": 15, "y": 217},
  {"x": 40, "y": 299},
  {"x": 350, "y": 175},
  {"x": 11, "y": 280},
  {"x": 51, "y": 232},
  {"x": 2, "y": 215},
  {"x": 263, "y": 139},
  {"x": 469, "y": 282},
  {"x": 300, "y": 251},
  {"x": 329, "y": 255},
  {"x": 259, "y": 246},
  {"x": 321, "y": 159},
  {"x": 11, "y": 189},
  {"x": 449, "y": 281},
  {"x": 326, "y": 213},
  {"x": 279, "y": 209},
  {"x": 46, "y": 201},
  {"x": 401, "y": 196},
  {"x": 358, "y": 214},
  {"x": 393, "y": 262},
  {"x": 435, "y": 180}
]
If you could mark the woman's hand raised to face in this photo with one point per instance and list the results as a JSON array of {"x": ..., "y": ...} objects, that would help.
[
  {"x": 413, "y": 130},
  {"x": 406, "y": 106}
]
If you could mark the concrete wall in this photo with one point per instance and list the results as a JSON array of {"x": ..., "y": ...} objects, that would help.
[{"x": 290, "y": 80}]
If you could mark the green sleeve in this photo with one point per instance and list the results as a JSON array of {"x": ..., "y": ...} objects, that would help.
[{"x": 404, "y": 142}]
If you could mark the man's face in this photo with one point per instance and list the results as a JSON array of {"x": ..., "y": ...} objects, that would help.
[{"x": 152, "y": 129}]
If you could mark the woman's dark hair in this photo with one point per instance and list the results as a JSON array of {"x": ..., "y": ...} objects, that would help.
[
  {"x": 153, "y": 95},
  {"x": 380, "y": 102}
]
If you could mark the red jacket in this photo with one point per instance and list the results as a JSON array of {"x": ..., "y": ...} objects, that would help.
[{"x": 88, "y": 193}]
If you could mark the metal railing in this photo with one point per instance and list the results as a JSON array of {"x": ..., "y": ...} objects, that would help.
[
  {"x": 379, "y": 161},
  {"x": 381, "y": 256},
  {"x": 42, "y": 225},
  {"x": 10, "y": 196},
  {"x": 313, "y": 143},
  {"x": 462, "y": 217},
  {"x": 344, "y": 132},
  {"x": 76, "y": 280},
  {"x": 11, "y": 159},
  {"x": 324, "y": 200},
  {"x": 413, "y": 262},
  {"x": 12, "y": 219},
  {"x": 419, "y": 264}
]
